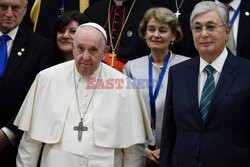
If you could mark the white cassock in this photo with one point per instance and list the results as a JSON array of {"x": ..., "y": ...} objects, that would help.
[{"x": 116, "y": 118}]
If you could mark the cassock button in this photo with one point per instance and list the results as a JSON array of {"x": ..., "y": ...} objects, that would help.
[{"x": 247, "y": 13}]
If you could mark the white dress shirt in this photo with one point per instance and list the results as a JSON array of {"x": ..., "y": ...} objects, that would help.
[
  {"x": 12, "y": 35},
  {"x": 234, "y": 4},
  {"x": 217, "y": 64}
]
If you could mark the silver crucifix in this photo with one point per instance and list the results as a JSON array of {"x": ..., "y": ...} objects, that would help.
[
  {"x": 80, "y": 128},
  {"x": 177, "y": 13}
]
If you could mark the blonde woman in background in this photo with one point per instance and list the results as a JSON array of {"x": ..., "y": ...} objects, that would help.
[{"x": 160, "y": 29}]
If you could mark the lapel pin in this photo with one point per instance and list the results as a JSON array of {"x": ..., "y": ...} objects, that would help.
[
  {"x": 247, "y": 13},
  {"x": 22, "y": 50},
  {"x": 129, "y": 33},
  {"x": 19, "y": 54}
]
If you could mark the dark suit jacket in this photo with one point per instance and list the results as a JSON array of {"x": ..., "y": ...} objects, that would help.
[
  {"x": 243, "y": 42},
  {"x": 17, "y": 78},
  {"x": 224, "y": 139},
  {"x": 48, "y": 14}
]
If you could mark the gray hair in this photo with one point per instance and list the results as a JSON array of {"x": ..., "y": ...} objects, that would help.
[{"x": 206, "y": 6}]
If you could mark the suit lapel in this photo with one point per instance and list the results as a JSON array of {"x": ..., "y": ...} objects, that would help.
[
  {"x": 192, "y": 84},
  {"x": 17, "y": 53},
  {"x": 226, "y": 80}
]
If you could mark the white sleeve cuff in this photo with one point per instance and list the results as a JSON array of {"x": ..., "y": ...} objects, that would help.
[{"x": 11, "y": 136}]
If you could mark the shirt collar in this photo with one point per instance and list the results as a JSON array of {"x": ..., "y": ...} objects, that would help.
[
  {"x": 217, "y": 64},
  {"x": 234, "y": 4},
  {"x": 12, "y": 33}
]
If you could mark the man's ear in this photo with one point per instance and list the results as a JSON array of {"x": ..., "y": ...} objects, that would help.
[
  {"x": 25, "y": 7},
  {"x": 228, "y": 29},
  {"x": 106, "y": 50}
]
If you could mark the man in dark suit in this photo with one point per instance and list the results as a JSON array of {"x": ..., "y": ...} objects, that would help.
[
  {"x": 207, "y": 114},
  {"x": 27, "y": 55},
  {"x": 242, "y": 23},
  {"x": 243, "y": 35}
]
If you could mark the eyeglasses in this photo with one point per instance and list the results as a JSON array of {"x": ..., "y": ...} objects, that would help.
[{"x": 209, "y": 28}]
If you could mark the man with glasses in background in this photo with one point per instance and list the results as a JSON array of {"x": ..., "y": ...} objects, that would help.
[
  {"x": 239, "y": 15},
  {"x": 206, "y": 121}
]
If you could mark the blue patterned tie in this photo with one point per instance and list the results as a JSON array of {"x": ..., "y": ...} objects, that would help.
[
  {"x": 3, "y": 53},
  {"x": 207, "y": 92}
]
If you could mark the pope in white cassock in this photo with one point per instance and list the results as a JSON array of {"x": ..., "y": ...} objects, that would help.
[{"x": 84, "y": 112}]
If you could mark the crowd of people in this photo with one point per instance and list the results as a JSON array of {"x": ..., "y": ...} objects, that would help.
[{"x": 124, "y": 83}]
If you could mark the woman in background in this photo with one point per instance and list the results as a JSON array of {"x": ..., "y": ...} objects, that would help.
[
  {"x": 63, "y": 33},
  {"x": 161, "y": 31}
]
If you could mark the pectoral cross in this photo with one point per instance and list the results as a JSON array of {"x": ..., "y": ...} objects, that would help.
[
  {"x": 80, "y": 128},
  {"x": 113, "y": 58},
  {"x": 177, "y": 13}
]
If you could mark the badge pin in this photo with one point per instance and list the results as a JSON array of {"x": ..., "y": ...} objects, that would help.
[
  {"x": 129, "y": 33},
  {"x": 19, "y": 54},
  {"x": 247, "y": 13}
]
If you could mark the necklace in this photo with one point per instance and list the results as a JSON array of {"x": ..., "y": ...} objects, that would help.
[
  {"x": 80, "y": 128},
  {"x": 113, "y": 54},
  {"x": 177, "y": 13}
]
